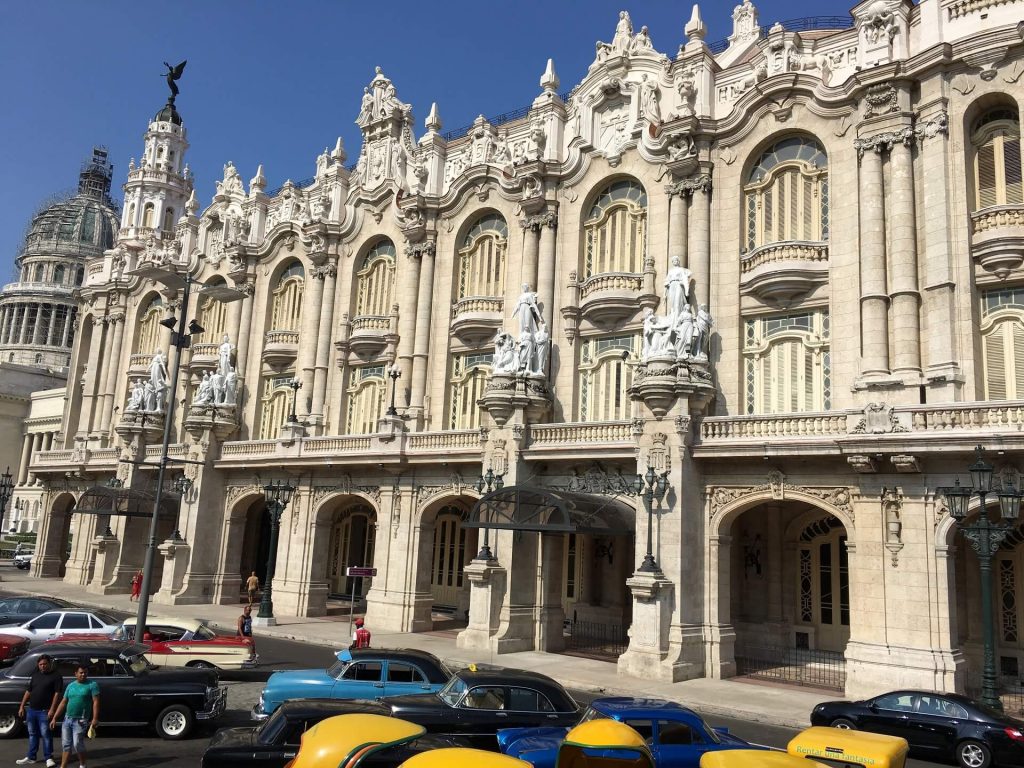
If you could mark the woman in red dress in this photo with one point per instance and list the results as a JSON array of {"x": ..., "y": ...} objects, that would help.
[{"x": 136, "y": 585}]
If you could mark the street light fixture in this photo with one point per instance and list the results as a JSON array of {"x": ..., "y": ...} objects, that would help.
[
  {"x": 650, "y": 486},
  {"x": 985, "y": 536},
  {"x": 277, "y": 495},
  {"x": 182, "y": 485},
  {"x": 168, "y": 276},
  {"x": 6, "y": 491},
  {"x": 487, "y": 483},
  {"x": 295, "y": 385},
  {"x": 395, "y": 373}
]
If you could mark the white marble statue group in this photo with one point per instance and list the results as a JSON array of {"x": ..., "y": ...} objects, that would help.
[
  {"x": 219, "y": 388},
  {"x": 150, "y": 395},
  {"x": 527, "y": 355},
  {"x": 681, "y": 333}
]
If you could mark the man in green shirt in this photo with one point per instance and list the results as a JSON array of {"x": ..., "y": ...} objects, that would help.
[{"x": 82, "y": 702}]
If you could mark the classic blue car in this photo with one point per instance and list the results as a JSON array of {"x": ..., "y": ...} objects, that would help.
[
  {"x": 676, "y": 735},
  {"x": 368, "y": 673}
]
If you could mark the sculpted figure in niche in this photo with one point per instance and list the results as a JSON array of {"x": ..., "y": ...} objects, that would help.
[
  {"x": 204, "y": 393},
  {"x": 677, "y": 289},
  {"x": 684, "y": 332},
  {"x": 136, "y": 397},
  {"x": 224, "y": 355},
  {"x": 649, "y": 107},
  {"x": 702, "y": 333},
  {"x": 542, "y": 345},
  {"x": 657, "y": 331},
  {"x": 504, "y": 353},
  {"x": 231, "y": 388},
  {"x": 528, "y": 311},
  {"x": 526, "y": 351},
  {"x": 217, "y": 385},
  {"x": 158, "y": 372}
]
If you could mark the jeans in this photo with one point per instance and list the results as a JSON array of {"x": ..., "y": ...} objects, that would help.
[
  {"x": 72, "y": 734},
  {"x": 38, "y": 730}
]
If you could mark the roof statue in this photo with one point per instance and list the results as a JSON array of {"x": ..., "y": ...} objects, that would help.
[{"x": 173, "y": 74}]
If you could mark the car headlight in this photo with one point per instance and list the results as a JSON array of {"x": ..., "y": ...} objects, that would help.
[{"x": 820, "y": 708}]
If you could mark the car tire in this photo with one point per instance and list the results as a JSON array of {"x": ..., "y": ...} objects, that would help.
[
  {"x": 10, "y": 726},
  {"x": 201, "y": 665},
  {"x": 973, "y": 754},
  {"x": 175, "y": 722},
  {"x": 843, "y": 724}
]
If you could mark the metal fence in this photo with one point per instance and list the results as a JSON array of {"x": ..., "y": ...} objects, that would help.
[
  {"x": 595, "y": 638},
  {"x": 1012, "y": 698},
  {"x": 818, "y": 669},
  {"x": 806, "y": 24}
]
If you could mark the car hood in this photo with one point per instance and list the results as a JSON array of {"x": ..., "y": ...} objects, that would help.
[
  {"x": 299, "y": 679},
  {"x": 233, "y": 738},
  {"x": 414, "y": 701},
  {"x": 515, "y": 741}
]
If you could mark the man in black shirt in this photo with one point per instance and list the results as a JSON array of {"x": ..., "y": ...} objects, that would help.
[{"x": 42, "y": 696}]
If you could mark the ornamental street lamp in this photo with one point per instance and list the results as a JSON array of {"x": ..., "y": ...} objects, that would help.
[
  {"x": 486, "y": 484},
  {"x": 985, "y": 536},
  {"x": 182, "y": 485},
  {"x": 277, "y": 495},
  {"x": 6, "y": 491},
  {"x": 395, "y": 373},
  {"x": 650, "y": 486},
  {"x": 295, "y": 385}
]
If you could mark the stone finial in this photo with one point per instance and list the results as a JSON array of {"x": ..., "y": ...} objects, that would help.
[
  {"x": 549, "y": 80},
  {"x": 744, "y": 23},
  {"x": 695, "y": 29},
  {"x": 339, "y": 154},
  {"x": 433, "y": 121},
  {"x": 258, "y": 182},
  {"x": 192, "y": 205}
]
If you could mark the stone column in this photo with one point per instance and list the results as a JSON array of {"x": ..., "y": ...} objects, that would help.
[
  {"x": 51, "y": 330},
  {"x": 700, "y": 239},
  {"x": 906, "y": 316},
  {"x": 408, "y": 286},
  {"x": 311, "y": 307},
  {"x": 26, "y": 459},
  {"x": 678, "y": 221},
  {"x": 422, "y": 343},
  {"x": 37, "y": 328},
  {"x": 244, "y": 328},
  {"x": 546, "y": 267},
  {"x": 66, "y": 333},
  {"x": 328, "y": 274},
  {"x": 721, "y": 641},
  {"x": 111, "y": 361},
  {"x": 23, "y": 331},
  {"x": 874, "y": 297},
  {"x": 531, "y": 248},
  {"x": 47, "y": 441},
  {"x": 37, "y": 445},
  {"x": 96, "y": 343},
  {"x": 5, "y": 323}
]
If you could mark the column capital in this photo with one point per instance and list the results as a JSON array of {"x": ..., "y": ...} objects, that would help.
[
  {"x": 686, "y": 187},
  {"x": 421, "y": 249},
  {"x": 883, "y": 142},
  {"x": 539, "y": 221},
  {"x": 329, "y": 270}
]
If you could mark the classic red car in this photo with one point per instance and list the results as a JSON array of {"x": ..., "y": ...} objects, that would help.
[{"x": 11, "y": 647}]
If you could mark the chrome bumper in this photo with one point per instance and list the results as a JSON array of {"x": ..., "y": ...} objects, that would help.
[
  {"x": 217, "y": 706},
  {"x": 257, "y": 713}
]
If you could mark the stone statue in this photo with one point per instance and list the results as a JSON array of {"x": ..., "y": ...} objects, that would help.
[
  {"x": 657, "y": 332},
  {"x": 623, "y": 33},
  {"x": 149, "y": 397},
  {"x": 526, "y": 351},
  {"x": 173, "y": 74},
  {"x": 365, "y": 107},
  {"x": 136, "y": 396},
  {"x": 504, "y": 353},
  {"x": 204, "y": 394},
  {"x": 530, "y": 317},
  {"x": 642, "y": 41},
  {"x": 399, "y": 164},
  {"x": 683, "y": 331},
  {"x": 322, "y": 161},
  {"x": 649, "y": 106},
  {"x": 702, "y": 333},
  {"x": 158, "y": 372},
  {"x": 542, "y": 345},
  {"x": 217, "y": 385},
  {"x": 231, "y": 388},
  {"x": 677, "y": 289}
]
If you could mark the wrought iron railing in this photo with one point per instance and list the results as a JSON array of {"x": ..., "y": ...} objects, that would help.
[
  {"x": 797, "y": 666},
  {"x": 596, "y": 638},
  {"x": 1012, "y": 698},
  {"x": 805, "y": 24}
]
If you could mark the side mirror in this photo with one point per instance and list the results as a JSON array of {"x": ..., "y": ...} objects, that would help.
[{"x": 873, "y": 707}]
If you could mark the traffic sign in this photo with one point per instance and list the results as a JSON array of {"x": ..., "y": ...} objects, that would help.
[{"x": 358, "y": 571}]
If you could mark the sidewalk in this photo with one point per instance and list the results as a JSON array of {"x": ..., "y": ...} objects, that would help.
[{"x": 763, "y": 703}]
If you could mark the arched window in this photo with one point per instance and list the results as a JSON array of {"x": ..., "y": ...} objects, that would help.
[
  {"x": 168, "y": 225},
  {"x": 1002, "y": 340},
  {"x": 58, "y": 274},
  {"x": 147, "y": 339},
  {"x": 286, "y": 312},
  {"x": 375, "y": 281},
  {"x": 148, "y": 215},
  {"x": 454, "y": 548},
  {"x": 130, "y": 220},
  {"x": 365, "y": 399},
  {"x": 469, "y": 379},
  {"x": 997, "y": 163},
  {"x": 788, "y": 364},
  {"x": 40, "y": 273},
  {"x": 79, "y": 275},
  {"x": 605, "y": 378},
  {"x": 786, "y": 195},
  {"x": 212, "y": 316},
  {"x": 482, "y": 258},
  {"x": 615, "y": 230},
  {"x": 274, "y": 405}
]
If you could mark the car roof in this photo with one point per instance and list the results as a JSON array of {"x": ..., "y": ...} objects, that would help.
[
  {"x": 190, "y": 625},
  {"x": 630, "y": 706},
  {"x": 394, "y": 653},
  {"x": 126, "y": 647},
  {"x": 517, "y": 677},
  {"x": 300, "y": 707}
]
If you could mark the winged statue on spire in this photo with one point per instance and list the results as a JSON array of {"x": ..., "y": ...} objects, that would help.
[{"x": 174, "y": 73}]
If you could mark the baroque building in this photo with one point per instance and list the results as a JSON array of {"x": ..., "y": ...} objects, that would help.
[{"x": 780, "y": 278}]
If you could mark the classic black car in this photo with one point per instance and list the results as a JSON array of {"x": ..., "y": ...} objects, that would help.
[
  {"x": 133, "y": 691},
  {"x": 276, "y": 740},
  {"x": 941, "y": 725},
  {"x": 475, "y": 703},
  {"x": 18, "y": 610}
]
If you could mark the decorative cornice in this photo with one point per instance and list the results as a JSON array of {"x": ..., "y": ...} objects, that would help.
[{"x": 883, "y": 142}]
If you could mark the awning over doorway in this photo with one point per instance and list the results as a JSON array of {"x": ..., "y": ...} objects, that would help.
[
  {"x": 547, "y": 510},
  {"x": 126, "y": 502}
]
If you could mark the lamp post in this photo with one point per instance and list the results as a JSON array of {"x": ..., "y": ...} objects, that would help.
[
  {"x": 487, "y": 483},
  {"x": 6, "y": 491},
  {"x": 277, "y": 494},
  {"x": 169, "y": 277},
  {"x": 395, "y": 373},
  {"x": 985, "y": 536},
  {"x": 182, "y": 485},
  {"x": 650, "y": 486},
  {"x": 295, "y": 385}
]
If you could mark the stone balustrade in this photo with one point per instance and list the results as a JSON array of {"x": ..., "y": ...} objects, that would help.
[
  {"x": 281, "y": 337},
  {"x": 444, "y": 441},
  {"x": 789, "y": 250},
  {"x": 477, "y": 304},
  {"x": 371, "y": 323},
  {"x": 52, "y": 457},
  {"x": 612, "y": 281},
  {"x": 580, "y": 434},
  {"x": 140, "y": 361},
  {"x": 248, "y": 448},
  {"x": 997, "y": 217},
  {"x": 995, "y": 415},
  {"x": 825, "y": 423},
  {"x": 338, "y": 444}
]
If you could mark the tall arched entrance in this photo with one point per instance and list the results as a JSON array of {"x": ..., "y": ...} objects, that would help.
[
  {"x": 351, "y": 543},
  {"x": 452, "y": 549},
  {"x": 255, "y": 542},
  {"x": 55, "y": 539}
]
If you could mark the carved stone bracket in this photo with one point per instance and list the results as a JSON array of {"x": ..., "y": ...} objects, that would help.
[
  {"x": 861, "y": 463},
  {"x": 905, "y": 463},
  {"x": 892, "y": 511},
  {"x": 506, "y": 393},
  {"x": 927, "y": 129}
]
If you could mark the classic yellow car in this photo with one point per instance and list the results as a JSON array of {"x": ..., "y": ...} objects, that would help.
[
  {"x": 604, "y": 744},
  {"x": 755, "y": 758},
  {"x": 836, "y": 746},
  {"x": 462, "y": 757}
]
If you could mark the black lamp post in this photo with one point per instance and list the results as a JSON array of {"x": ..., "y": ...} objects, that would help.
[
  {"x": 985, "y": 536},
  {"x": 395, "y": 373},
  {"x": 6, "y": 491},
  {"x": 182, "y": 485},
  {"x": 277, "y": 494},
  {"x": 650, "y": 486},
  {"x": 295, "y": 385},
  {"x": 486, "y": 484}
]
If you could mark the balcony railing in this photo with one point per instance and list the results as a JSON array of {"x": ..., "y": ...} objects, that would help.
[
  {"x": 477, "y": 304},
  {"x": 774, "y": 426},
  {"x": 444, "y": 441},
  {"x": 789, "y": 250},
  {"x": 580, "y": 434},
  {"x": 612, "y": 281}
]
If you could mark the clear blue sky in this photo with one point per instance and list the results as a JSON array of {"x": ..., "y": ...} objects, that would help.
[{"x": 275, "y": 82}]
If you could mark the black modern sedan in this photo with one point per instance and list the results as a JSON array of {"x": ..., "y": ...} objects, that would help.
[
  {"x": 18, "y": 610},
  {"x": 942, "y": 725},
  {"x": 275, "y": 742}
]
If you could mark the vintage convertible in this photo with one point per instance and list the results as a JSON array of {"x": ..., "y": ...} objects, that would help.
[{"x": 676, "y": 736}]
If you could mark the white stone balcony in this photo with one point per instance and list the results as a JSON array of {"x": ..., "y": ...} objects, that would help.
[
  {"x": 997, "y": 238},
  {"x": 477, "y": 318},
  {"x": 138, "y": 364},
  {"x": 610, "y": 297},
  {"x": 369, "y": 334},
  {"x": 609, "y": 439},
  {"x": 780, "y": 273},
  {"x": 280, "y": 347},
  {"x": 204, "y": 356}
]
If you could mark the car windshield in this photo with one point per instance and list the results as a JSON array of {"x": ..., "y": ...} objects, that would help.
[
  {"x": 336, "y": 669},
  {"x": 592, "y": 714},
  {"x": 268, "y": 730},
  {"x": 203, "y": 632},
  {"x": 452, "y": 691},
  {"x": 138, "y": 663},
  {"x": 121, "y": 633}
]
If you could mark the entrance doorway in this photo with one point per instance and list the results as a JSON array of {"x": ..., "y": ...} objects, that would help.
[
  {"x": 351, "y": 545},
  {"x": 453, "y": 548}
]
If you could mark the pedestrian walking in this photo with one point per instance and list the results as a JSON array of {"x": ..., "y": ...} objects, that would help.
[
  {"x": 38, "y": 706},
  {"x": 244, "y": 628},
  {"x": 136, "y": 586},
  {"x": 361, "y": 636},
  {"x": 81, "y": 697},
  {"x": 252, "y": 586}
]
